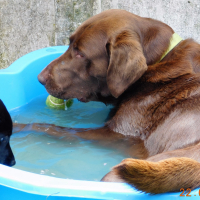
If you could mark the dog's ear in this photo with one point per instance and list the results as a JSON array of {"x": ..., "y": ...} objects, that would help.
[{"x": 126, "y": 62}]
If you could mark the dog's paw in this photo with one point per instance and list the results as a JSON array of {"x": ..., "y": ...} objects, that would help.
[
  {"x": 112, "y": 177},
  {"x": 117, "y": 172}
]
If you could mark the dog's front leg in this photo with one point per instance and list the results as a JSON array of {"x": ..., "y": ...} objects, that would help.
[
  {"x": 101, "y": 136},
  {"x": 103, "y": 133}
]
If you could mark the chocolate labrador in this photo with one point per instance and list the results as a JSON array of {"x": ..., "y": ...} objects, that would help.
[
  {"x": 151, "y": 76},
  {"x": 6, "y": 154}
]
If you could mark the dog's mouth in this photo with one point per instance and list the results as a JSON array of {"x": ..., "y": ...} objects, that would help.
[
  {"x": 84, "y": 100},
  {"x": 63, "y": 96},
  {"x": 59, "y": 93}
]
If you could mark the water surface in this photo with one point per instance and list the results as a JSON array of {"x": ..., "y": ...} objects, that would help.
[{"x": 41, "y": 153}]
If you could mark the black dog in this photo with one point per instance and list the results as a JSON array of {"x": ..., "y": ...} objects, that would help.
[{"x": 6, "y": 126}]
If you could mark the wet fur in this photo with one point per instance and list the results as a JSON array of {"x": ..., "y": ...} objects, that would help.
[
  {"x": 114, "y": 57},
  {"x": 6, "y": 126}
]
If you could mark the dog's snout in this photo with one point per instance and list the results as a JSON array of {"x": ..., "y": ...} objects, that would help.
[
  {"x": 42, "y": 79},
  {"x": 12, "y": 163},
  {"x": 44, "y": 74}
]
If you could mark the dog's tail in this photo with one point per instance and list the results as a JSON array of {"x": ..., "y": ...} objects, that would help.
[{"x": 168, "y": 175}]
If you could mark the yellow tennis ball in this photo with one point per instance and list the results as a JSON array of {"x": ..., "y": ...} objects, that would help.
[
  {"x": 69, "y": 102},
  {"x": 55, "y": 103}
]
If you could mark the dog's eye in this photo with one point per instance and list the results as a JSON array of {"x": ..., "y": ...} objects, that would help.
[
  {"x": 3, "y": 139},
  {"x": 78, "y": 54}
]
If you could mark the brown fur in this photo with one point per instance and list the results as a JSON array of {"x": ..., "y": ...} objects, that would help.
[
  {"x": 148, "y": 176},
  {"x": 114, "y": 58}
]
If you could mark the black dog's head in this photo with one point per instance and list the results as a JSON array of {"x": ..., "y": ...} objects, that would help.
[{"x": 6, "y": 126}]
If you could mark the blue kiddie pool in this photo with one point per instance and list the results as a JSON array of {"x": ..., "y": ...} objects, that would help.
[{"x": 19, "y": 86}]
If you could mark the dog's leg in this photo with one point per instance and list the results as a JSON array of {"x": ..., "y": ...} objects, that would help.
[
  {"x": 158, "y": 176},
  {"x": 101, "y": 136},
  {"x": 103, "y": 133}
]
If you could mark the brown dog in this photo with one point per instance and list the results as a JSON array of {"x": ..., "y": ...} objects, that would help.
[{"x": 116, "y": 57}]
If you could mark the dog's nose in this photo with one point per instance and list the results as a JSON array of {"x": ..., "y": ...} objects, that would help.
[
  {"x": 41, "y": 79},
  {"x": 44, "y": 75},
  {"x": 12, "y": 163}
]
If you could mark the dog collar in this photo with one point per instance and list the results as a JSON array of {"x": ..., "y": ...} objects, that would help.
[{"x": 175, "y": 39}]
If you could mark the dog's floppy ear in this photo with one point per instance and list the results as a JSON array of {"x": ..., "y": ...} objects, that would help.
[{"x": 127, "y": 62}]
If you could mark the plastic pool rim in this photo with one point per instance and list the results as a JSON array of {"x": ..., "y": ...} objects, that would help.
[{"x": 21, "y": 82}]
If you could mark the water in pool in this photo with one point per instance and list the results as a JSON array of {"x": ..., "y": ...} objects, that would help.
[{"x": 44, "y": 154}]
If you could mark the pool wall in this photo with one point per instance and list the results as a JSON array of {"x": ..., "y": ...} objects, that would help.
[{"x": 18, "y": 86}]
